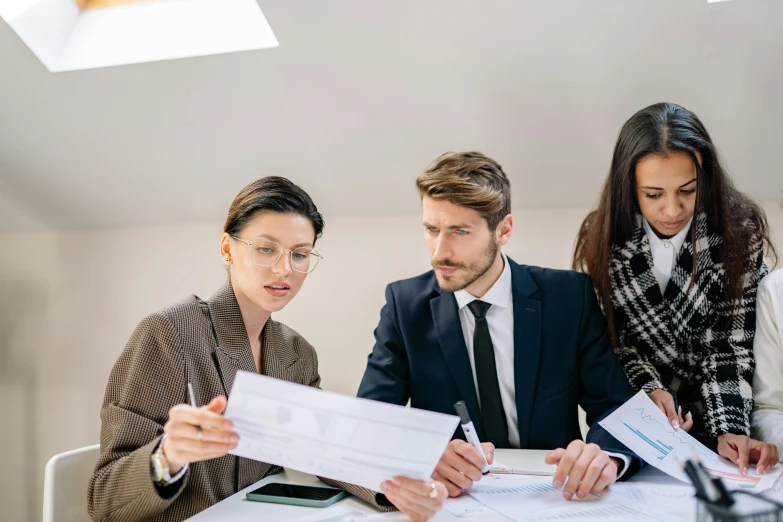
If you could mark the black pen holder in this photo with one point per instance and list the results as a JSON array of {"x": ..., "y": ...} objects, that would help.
[{"x": 747, "y": 507}]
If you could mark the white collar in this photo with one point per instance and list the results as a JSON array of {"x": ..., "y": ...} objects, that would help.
[
  {"x": 498, "y": 295},
  {"x": 676, "y": 241}
]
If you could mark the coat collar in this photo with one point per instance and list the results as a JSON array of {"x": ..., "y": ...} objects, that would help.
[
  {"x": 232, "y": 336},
  {"x": 233, "y": 353}
]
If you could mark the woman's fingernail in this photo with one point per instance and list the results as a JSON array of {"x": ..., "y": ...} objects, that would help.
[
  {"x": 396, "y": 482},
  {"x": 385, "y": 486},
  {"x": 676, "y": 425},
  {"x": 745, "y": 471},
  {"x": 580, "y": 494},
  {"x": 556, "y": 484}
]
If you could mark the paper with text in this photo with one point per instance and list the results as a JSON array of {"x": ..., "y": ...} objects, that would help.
[
  {"x": 343, "y": 438},
  {"x": 644, "y": 428}
]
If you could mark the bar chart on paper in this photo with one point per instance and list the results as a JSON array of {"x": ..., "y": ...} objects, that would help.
[
  {"x": 641, "y": 426},
  {"x": 662, "y": 448}
]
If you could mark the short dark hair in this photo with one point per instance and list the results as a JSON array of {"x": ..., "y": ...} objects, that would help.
[
  {"x": 271, "y": 194},
  {"x": 469, "y": 179}
]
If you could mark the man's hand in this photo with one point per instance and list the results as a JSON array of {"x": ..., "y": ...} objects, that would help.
[
  {"x": 586, "y": 467},
  {"x": 460, "y": 466}
]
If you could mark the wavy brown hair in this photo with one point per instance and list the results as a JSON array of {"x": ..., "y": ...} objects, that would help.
[
  {"x": 663, "y": 129},
  {"x": 469, "y": 179}
]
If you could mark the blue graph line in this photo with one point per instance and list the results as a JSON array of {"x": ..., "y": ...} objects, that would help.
[
  {"x": 667, "y": 428},
  {"x": 660, "y": 447}
]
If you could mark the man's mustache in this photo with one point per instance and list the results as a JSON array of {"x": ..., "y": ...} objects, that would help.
[{"x": 436, "y": 264}]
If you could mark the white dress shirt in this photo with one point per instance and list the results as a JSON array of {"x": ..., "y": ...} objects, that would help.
[
  {"x": 664, "y": 252},
  {"x": 767, "y": 417},
  {"x": 500, "y": 319}
]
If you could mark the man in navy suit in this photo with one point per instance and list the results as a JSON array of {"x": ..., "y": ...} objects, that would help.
[{"x": 523, "y": 346}]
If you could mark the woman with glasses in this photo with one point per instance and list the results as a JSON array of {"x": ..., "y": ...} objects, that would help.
[
  {"x": 676, "y": 254},
  {"x": 164, "y": 460}
]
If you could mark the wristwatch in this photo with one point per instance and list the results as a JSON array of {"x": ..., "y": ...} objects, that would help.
[{"x": 159, "y": 466}]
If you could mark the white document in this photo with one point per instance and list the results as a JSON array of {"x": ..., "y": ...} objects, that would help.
[
  {"x": 465, "y": 506},
  {"x": 353, "y": 440},
  {"x": 520, "y": 497},
  {"x": 522, "y": 462},
  {"x": 534, "y": 499},
  {"x": 342, "y": 513},
  {"x": 641, "y": 426}
]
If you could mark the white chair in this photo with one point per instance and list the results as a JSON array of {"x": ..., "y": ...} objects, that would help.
[{"x": 65, "y": 485}]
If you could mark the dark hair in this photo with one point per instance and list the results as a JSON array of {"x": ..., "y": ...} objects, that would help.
[
  {"x": 469, "y": 179},
  {"x": 663, "y": 129},
  {"x": 271, "y": 194}
]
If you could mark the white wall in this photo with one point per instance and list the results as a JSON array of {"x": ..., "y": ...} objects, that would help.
[{"x": 69, "y": 302}]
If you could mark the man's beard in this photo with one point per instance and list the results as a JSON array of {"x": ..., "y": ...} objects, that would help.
[{"x": 454, "y": 283}]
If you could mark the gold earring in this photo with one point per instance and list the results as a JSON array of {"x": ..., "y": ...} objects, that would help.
[{"x": 228, "y": 258}]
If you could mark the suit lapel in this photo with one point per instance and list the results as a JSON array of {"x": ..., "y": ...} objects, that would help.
[
  {"x": 452, "y": 342},
  {"x": 527, "y": 346},
  {"x": 280, "y": 360},
  {"x": 233, "y": 353}
]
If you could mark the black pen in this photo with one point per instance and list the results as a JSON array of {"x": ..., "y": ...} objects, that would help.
[
  {"x": 690, "y": 470},
  {"x": 717, "y": 488}
]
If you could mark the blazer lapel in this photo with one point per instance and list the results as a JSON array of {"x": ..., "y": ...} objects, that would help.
[
  {"x": 280, "y": 359},
  {"x": 445, "y": 315},
  {"x": 233, "y": 353},
  {"x": 527, "y": 346}
]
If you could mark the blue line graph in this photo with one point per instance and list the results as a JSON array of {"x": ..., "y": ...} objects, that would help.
[
  {"x": 662, "y": 448},
  {"x": 712, "y": 457}
]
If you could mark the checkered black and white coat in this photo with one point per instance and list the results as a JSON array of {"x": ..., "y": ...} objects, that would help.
[{"x": 680, "y": 340}]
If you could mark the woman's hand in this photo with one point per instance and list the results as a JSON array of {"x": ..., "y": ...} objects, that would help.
[
  {"x": 418, "y": 499},
  {"x": 742, "y": 450},
  {"x": 665, "y": 402},
  {"x": 195, "y": 434}
]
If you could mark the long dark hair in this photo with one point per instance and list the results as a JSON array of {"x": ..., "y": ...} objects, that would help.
[{"x": 663, "y": 129}]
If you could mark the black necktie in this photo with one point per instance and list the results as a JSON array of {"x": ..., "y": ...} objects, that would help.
[{"x": 492, "y": 413}]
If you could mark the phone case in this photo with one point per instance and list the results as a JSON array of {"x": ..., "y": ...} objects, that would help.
[{"x": 298, "y": 501}]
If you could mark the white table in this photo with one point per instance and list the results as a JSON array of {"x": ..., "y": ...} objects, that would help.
[{"x": 237, "y": 509}]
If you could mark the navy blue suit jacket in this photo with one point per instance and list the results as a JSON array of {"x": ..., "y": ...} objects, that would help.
[{"x": 562, "y": 357}]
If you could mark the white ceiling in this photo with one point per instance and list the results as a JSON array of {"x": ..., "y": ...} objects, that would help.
[{"x": 361, "y": 95}]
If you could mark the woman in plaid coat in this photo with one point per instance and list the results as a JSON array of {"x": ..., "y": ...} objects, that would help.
[{"x": 676, "y": 254}]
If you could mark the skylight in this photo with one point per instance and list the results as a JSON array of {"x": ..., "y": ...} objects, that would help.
[{"x": 68, "y": 35}]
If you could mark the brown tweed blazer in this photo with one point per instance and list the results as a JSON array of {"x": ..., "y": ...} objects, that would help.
[{"x": 168, "y": 349}]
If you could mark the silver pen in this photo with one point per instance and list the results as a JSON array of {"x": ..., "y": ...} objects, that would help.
[{"x": 193, "y": 403}]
